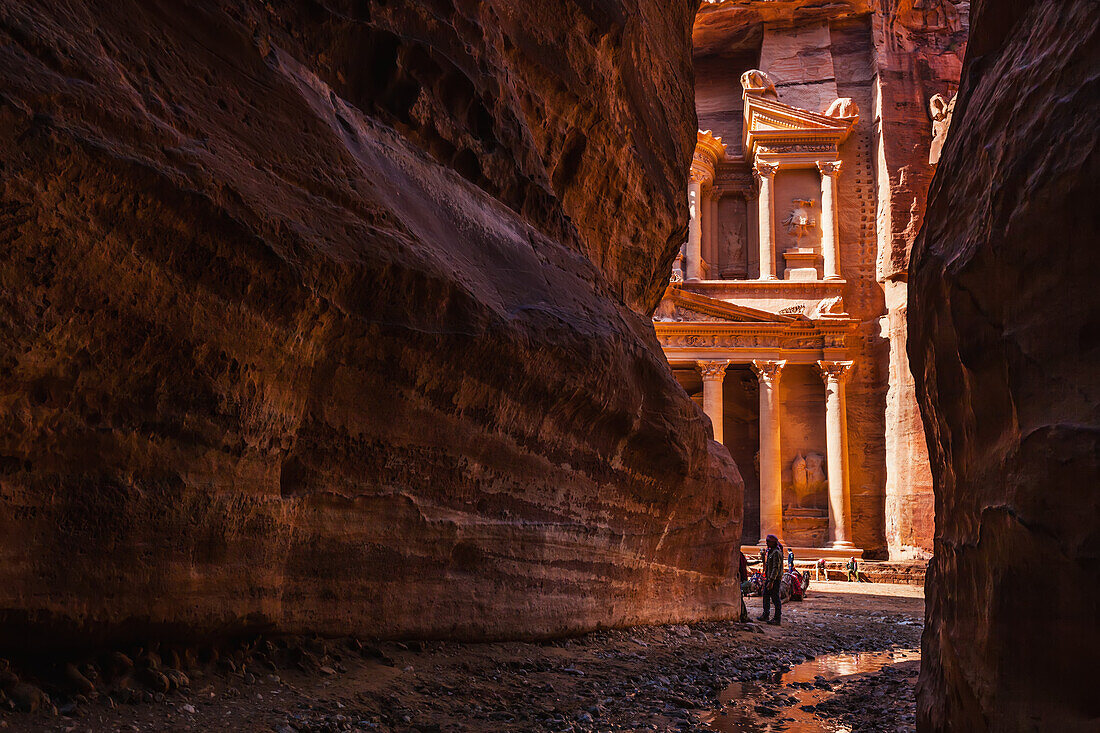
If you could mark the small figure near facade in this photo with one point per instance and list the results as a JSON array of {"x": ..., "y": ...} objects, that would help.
[
  {"x": 941, "y": 111},
  {"x": 842, "y": 108},
  {"x": 798, "y": 474},
  {"x": 853, "y": 570},
  {"x": 801, "y": 219},
  {"x": 746, "y": 585},
  {"x": 790, "y": 560},
  {"x": 773, "y": 576},
  {"x": 756, "y": 81}
]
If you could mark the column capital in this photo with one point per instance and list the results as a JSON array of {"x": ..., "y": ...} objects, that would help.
[
  {"x": 765, "y": 170},
  {"x": 768, "y": 370},
  {"x": 713, "y": 371},
  {"x": 700, "y": 174},
  {"x": 828, "y": 168},
  {"x": 835, "y": 371}
]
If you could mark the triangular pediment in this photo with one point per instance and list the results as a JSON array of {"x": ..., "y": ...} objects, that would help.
[
  {"x": 767, "y": 115},
  {"x": 679, "y": 305},
  {"x": 769, "y": 121}
]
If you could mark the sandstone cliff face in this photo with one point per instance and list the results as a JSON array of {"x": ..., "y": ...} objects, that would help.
[
  {"x": 331, "y": 317},
  {"x": 1004, "y": 344},
  {"x": 919, "y": 48}
]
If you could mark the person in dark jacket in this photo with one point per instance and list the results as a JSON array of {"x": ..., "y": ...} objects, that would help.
[
  {"x": 743, "y": 578},
  {"x": 773, "y": 574}
]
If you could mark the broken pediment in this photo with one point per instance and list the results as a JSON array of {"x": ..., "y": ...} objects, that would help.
[
  {"x": 678, "y": 305},
  {"x": 775, "y": 129}
]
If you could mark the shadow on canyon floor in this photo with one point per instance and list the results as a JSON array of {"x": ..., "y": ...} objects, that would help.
[{"x": 644, "y": 678}]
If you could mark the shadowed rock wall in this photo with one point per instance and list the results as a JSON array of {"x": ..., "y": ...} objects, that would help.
[
  {"x": 332, "y": 317},
  {"x": 1003, "y": 340}
]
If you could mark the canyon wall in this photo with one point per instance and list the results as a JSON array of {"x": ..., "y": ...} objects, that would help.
[
  {"x": 334, "y": 317},
  {"x": 1004, "y": 343},
  {"x": 919, "y": 48}
]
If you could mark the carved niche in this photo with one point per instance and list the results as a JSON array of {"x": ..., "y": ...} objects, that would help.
[
  {"x": 808, "y": 487},
  {"x": 733, "y": 238}
]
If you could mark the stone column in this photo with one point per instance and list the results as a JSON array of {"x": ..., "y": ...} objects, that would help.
[
  {"x": 830, "y": 237},
  {"x": 712, "y": 233},
  {"x": 835, "y": 374},
  {"x": 695, "y": 230},
  {"x": 766, "y": 174},
  {"x": 713, "y": 373},
  {"x": 771, "y": 470}
]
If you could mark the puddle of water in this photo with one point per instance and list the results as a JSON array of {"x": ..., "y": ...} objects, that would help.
[{"x": 763, "y": 707}]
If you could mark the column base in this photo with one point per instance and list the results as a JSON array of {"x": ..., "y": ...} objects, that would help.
[
  {"x": 845, "y": 545},
  {"x": 769, "y": 277},
  {"x": 832, "y": 277}
]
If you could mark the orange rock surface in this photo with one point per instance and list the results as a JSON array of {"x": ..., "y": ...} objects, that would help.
[
  {"x": 1003, "y": 341},
  {"x": 333, "y": 317}
]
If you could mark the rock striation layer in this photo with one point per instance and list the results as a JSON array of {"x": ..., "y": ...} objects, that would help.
[
  {"x": 334, "y": 317},
  {"x": 1004, "y": 344}
]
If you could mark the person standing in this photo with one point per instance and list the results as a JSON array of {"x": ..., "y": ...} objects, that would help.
[
  {"x": 743, "y": 578},
  {"x": 773, "y": 574},
  {"x": 790, "y": 560}
]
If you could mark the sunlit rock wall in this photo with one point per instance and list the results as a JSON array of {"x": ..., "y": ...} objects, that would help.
[
  {"x": 333, "y": 317},
  {"x": 919, "y": 48},
  {"x": 1003, "y": 339}
]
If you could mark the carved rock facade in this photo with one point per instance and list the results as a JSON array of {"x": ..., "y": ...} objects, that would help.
[{"x": 805, "y": 222}]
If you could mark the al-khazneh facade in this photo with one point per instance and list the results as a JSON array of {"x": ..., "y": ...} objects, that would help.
[{"x": 781, "y": 316}]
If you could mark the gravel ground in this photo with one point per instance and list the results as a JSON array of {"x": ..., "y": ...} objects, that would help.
[{"x": 665, "y": 678}]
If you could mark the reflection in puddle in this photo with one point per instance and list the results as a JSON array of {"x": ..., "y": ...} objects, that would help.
[{"x": 760, "y": 707}]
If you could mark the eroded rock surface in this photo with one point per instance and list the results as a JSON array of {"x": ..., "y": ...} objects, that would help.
[
  {"x": 1004, "y": 344},
  {"x": 332, "y": 317}
]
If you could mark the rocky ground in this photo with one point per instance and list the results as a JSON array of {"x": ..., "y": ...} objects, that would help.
[{"x": 644, "y": 678}]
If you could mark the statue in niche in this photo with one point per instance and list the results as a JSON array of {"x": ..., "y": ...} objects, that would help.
[
  {"x": 941, "y": 111},
  {"x": 798, "y": 472},
  {"x": 733, "y": 263},
  {"x": 756, "y": 81},
  {"x": 843, "y": 107},
  {"x": 814, "y": 475},
  {"x": 800, "y": 220},
  {"x": 833, "y": 306},
  {"x": 807, "y": 478}
]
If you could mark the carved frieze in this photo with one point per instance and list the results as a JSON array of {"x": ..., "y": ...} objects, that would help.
[
  {"x": 800, "y": 148},
  {"x": 777, "y": 340}
]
